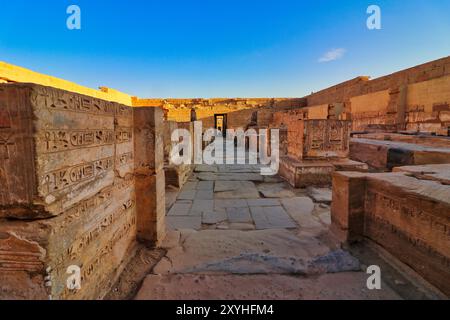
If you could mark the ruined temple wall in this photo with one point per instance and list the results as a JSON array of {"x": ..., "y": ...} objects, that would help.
[
  {"x": 406, "y": 213},
  {"x": 404, "y": 100},
  {"x": 68, "y": 193}
]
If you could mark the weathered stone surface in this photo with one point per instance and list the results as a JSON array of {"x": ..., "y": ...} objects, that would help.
[
  {"x": 301, "y": 211},
  {"x": 342, "y": 286},
  {"x": 305, "y": 173},
  {"x": 180, "y": 208},
  {"x": 70, "y": 162},
  {"x": 204, "y": 195},
  {"x": 217, "y": 250},
  {"x": 235, "y": 190},
  {"x": 43, "y": 170},
  {"x": 275, "y": 190},
  {"x": 263, "y": 202},
  {"x": 214, "y": 217},
  {"x": 321, "y": 195},
  {"x": 436, "y": 172},
  {"x": 385, "y": 155},
  {"x": 238, "y": 215},
  {"x": 405, "y": 215},
  {"x": 208, "y": 176},
  {"x": 230, "y": 203},
  {"x": 184, "y": 222},
  {"x": 201, "y": 206},
  {"x": 271, "y": 218},
  {"x": 187, "y": 195}
]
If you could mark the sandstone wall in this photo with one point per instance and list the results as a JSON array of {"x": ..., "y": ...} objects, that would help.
[
  {"x": 68, "y": 193},
  {"x": 406, "y": 212},
  {"x": 416, "y": 99},
  {"x": 179, "y": 110}
]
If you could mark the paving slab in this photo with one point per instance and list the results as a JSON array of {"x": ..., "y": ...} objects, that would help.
[
  {"x": 261, "y": 251},
  {"x": 301, "y": 210},
  {"x": 230, "y": 203},
  {"x": 204, "y": 195},
  {"x": 205, "y": 185},
  {"x": 239, "y": 215},
  {"x": 271, "y": 218},
  {"x": 342, "y": 286},
  {"x": 180, "y": 208},
  {"x": 183, "y": 222},
  {"x": 201, "y": 206},
  {"x": 320, "y": 195},
  {"x": 214, "y": 217},
  {"x": 263, "y": 202},
  {"x": 190, "y": 185},
  {"x": 276, "y": 190},
  {"x": 235, "y": 190},
  {"x": 187, "y": 195},
  {"x": 205, "y": 168},
  {"x": 209, "y": 176}
]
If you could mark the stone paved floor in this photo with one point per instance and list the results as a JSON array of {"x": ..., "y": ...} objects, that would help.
[{"x": 234, "y": 234}]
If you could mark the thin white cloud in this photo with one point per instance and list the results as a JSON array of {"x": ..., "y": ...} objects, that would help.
[{"x": 332, "y": 55}]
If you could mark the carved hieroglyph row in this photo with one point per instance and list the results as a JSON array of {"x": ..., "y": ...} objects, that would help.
[
  {"x": 326, "y": 135},
  {"x": 420, "y": 228},
  {"x": 56, "y": 140},
  {"x": 63, "y": 100}
]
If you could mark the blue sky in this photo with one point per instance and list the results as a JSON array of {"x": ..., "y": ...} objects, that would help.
[{"x": 218, "y": 48}]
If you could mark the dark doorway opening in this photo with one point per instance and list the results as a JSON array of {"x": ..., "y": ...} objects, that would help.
[{"x": 220, "y": 123}]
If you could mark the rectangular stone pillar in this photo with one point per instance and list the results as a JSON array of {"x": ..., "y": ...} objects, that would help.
[
  {"x": 67, "y": 198},
  {"x": 149, "y": 174},
  {"x": 347, "y": 208}
]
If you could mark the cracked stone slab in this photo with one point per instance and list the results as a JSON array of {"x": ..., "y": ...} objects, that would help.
[
  {"x": 236, "y": 190},
  {"x": 271, "y": 251},
  {"x": 182, "y": 222},
  {"x": 342, "y": 286},
  {"x": 271, "y": 218},
  {"x": 320, "y": 195},
  {"x": 275, "y": 190}
]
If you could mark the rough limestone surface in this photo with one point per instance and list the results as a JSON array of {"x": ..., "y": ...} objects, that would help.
[{"x": 342, "y": 286}]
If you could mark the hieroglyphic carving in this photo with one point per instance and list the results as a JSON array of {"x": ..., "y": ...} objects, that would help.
[
  {"x": 124, "y": 159},
  {"x": 423, "y": 229},
  {"x": 84, "y": 208},
  {"x": 63, "y": 178},
  {"x": 62, "y": 140},
  {"x": 63, "y": 100},
  {"x": 326, "y": 138},
  {"x": 124, "y": 135}
]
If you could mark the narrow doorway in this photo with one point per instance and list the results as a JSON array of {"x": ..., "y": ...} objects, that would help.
[{"x": 220, "y": 123}]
